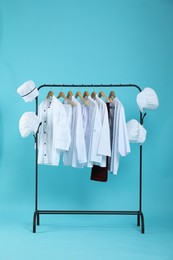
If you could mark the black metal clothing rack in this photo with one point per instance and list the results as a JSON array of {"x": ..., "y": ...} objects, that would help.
[{"x": 138, "y": 213}]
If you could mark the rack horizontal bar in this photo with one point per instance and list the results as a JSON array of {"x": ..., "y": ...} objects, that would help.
[
  {"x": 139, "y": 214},
  {"x": 89, "y": 212},
  {"x": 89, "y": 86}
]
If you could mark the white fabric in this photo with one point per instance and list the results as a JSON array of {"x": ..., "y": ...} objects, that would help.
[
  {"x": 28, "y": 91},
  {"x": 54, "y": 135},
  {"x": 147, "y": 99},
  {"x": 119, "y": 136},
  {"x": 76, "y": 156},
  {"x": 92, "y": 131},
  {"x": 68, "y": 109},
  {"x": 104, "y": 147},
  {"x": 136, "y": 132},
  {"x": 28, "y": 124}
]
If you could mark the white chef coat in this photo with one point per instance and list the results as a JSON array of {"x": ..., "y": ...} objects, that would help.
[
  {"x": 104, "y": 147},
  {"x": 54, "y": 134},
  {"x": 119, "y": 136},
  {"x": 68, "y": 109},
  {"x": 76, "y": 155},
  {"x": 92, "y": 131}
]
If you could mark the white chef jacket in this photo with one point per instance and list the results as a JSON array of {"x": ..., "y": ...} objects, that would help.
[
  {"x": 119, "y": 136},
  {"x": 68, "y": 109},
  {"x": 76, "y": 155},
  {"x": 92, "y": 131},
  {"x": 104, "y": 147},
  {"x": 54, "y": 134}
]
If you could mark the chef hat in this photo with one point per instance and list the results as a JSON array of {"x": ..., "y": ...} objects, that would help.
[
  {"x": 28, "y": 124},
  {"x": 136, "y": 132},
  {"x": 148, "y": 99},
  {"x": 28, "y": 91}
]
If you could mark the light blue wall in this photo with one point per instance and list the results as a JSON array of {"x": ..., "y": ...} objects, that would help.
[{"x": 72, "y": 42}]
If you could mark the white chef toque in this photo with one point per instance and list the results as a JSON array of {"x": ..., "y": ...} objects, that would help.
[
  {"x": 28, "y": 91},
  {"x": 28, "y": 124},
  {"x": 147, "y": 99},
  {"x": 136, "y": 132}
]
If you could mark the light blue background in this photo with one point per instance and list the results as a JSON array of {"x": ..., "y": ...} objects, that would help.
[{"x": 93, "y": 42}]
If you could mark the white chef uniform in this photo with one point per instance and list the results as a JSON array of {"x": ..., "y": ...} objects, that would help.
[
  {"x": 119, "y": 136},
  {"x": 76, "y": 155},
  {"x": 104, "y": 147},
  {"x": 92, "y": 130},
  {"x": 54, "y": 134}
]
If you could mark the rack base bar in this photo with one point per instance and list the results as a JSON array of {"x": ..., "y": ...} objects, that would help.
[
  {"x": 88, "y": 212},
  {"x": 139, "y": 215}
]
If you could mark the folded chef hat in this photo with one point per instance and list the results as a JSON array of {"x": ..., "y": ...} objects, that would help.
[
  {"x": 136, "y": 132},
  {"x": 28, "y": 124},
  {"x": 148, "y": 99},
  {"x": 28, "y": 91}
]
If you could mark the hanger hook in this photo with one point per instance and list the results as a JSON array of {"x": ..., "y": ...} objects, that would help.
[{"x": 143, "y": 118}]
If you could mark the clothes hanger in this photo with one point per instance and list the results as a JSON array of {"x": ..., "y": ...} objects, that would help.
[
  {"x": 102, "y": 94},
  {"x": 78, "y": 94},
  {"x": 86, "y": 94},
  {"x": 69, "y": 94},
  {"x": 61, "y": 94},
  {"x": 50, "y": 94},
  {"x": 93, "y": 95},
  {"x": 112, "y": 94}
]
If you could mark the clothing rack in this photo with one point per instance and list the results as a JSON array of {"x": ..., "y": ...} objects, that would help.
[{"x": 138, "y": 213}]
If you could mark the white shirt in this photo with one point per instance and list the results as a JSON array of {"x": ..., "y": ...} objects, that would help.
[
  {"x": 119, "y": 136},
  {"x": 76, "y": 156},
  {"x": 54, "y": 134}
]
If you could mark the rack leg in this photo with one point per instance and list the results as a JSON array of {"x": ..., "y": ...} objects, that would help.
[
  {"x": 34, "y": 222},
  {"x": 142, "y": 223},
  {"x": 38, "y": 219},
  {"x": 138, "y": 220}
]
